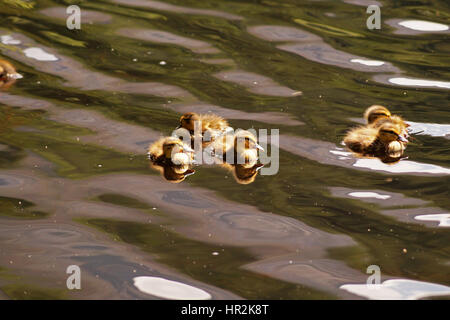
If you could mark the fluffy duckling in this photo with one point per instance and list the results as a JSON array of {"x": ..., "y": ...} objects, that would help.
[
  {"x": 376, "y": 115},
  {"x": 8, "y": 74},
  {"x": 211, "y": 126},
  {"x": 170, "y": 150},
  {"x": 242, "y": 147},
  {"x": 6, "y": 69},
  {"x": 368, "y": 140},
  {"x": 208, "y": 122}
]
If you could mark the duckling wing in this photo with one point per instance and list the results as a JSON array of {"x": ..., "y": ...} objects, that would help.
[
  {"x": 360, "y": 139},
  {"x": 214, "y": 122}
]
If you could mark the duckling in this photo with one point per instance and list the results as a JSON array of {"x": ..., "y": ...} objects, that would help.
[
  {"x": 368, "y": 140},
  {"x": 170, "y": 150},
  {"x": 208, "y": 122},
  {"x": 376, "y": 115},
  {"x": 211, "y": 125},
  {"x": 8, "y": 74},
  {"x": 242, "y": 147},
  {"x": 6, "y": 69}
]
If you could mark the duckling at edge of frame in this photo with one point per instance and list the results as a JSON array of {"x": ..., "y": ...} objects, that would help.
[
  {"x": 6, "y": 69},
  {"x": 8, "y": 74}
]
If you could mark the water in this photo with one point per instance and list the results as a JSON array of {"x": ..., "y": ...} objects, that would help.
[{"x": 76, "y": 187}]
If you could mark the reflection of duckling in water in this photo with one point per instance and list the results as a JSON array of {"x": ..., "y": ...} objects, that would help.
[
  {"x": 171, "y": 172},
  {"x": 172, "y": 158},
  {"x": 376, "y": 115},
  {"x": 378, "y": 142},
  {"x": 243, "y": 174},
  {"x": 211, "y": 125},
  {"x": 8, "y": 74}
]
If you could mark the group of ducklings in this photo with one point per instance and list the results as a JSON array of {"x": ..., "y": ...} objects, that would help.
[
  {"x": 384, "y": 135},
  {"x": 236, "y": 151}
]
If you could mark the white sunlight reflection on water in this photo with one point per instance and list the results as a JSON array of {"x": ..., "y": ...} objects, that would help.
[
  {"x": 169, "y": 289},
  {"x": 420, "y": 25},
  {"x": 398, "y": 289}
]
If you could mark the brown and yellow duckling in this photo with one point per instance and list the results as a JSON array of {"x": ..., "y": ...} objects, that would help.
[
  {"x": 208, "y": 122},
  {"x": 210, "y": 126},
  {"x": 172, "y": 158},
  {"x": 8, "y": 74},
  {"x": 238, "y": 148},
  {"x": 387, "y": 139},
  {"x": 170, "y": 150},
  {"x": 6, "y": 69},
  {"x": 242, "y": 148},
  {"x": 376, "y": 115}
]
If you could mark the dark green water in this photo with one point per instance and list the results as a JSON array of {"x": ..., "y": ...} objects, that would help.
[{"x": 74, "y": 176}]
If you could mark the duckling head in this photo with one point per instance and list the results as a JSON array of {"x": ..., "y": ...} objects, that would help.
[
  {"x": 390, "y": 132},
  {"x": 376, "y": 112},
  {"x": 396, "y": 120},
  {"x": 187, "y": 121}
]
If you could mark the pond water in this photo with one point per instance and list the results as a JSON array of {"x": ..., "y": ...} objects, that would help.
[{"x": 76, "y": 187}]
